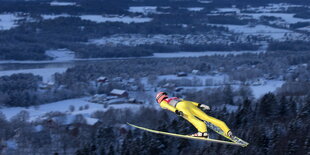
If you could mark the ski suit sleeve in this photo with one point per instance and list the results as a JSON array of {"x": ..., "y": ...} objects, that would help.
[
  {"x": 195, "y": 103},
  {"x": 167, "y": 106}
]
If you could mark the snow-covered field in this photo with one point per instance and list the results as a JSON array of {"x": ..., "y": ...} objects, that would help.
[
  {"x": 144, "y": 9},
  {"x": 269, "y": 86},
  {"x": 287, "y": 17},
  {"x": 305, "y": 29},
  {"x": 63, "y": 106},
  {"x": 56, "y": 3},
  {"x": 205, "y": 1},
  {"x": 225, "y": 10},
  {"x": 8, "y": 21},
  {"x": 102, "y": 18},
  {"x": 124, "y": 19},
  {"x": 61, "y": 54},
  {"x": 46, "y": 73},
  {"x": 53, "y": 16},
  {"x": 280, "y": 7},
  {"x": 195, "y": 9},
  {"x": 264, "y": 30}
]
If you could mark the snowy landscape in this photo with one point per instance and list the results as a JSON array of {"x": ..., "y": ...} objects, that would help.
[
  {"x": 38, "y": 113},
  {"x": 74, "y": 73},
  {"x": 8, "y": 21}
]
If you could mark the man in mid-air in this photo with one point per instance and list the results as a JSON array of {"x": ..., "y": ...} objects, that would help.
[{"x": 191, "y": 112}]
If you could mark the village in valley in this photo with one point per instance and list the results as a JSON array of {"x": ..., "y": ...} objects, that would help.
[{"x": 74, "y": 73}]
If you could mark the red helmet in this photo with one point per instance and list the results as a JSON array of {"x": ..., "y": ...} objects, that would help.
[{"x": 161, "y": 96}]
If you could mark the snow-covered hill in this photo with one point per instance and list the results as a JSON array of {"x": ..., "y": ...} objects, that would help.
[{"x": 81, "y": 106}]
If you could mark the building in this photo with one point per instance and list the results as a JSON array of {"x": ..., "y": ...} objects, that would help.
[
  {"x": 180, "y": 74},
  {"x": 48, "y": 85},
  {"x": 102, "y": 79},
  {"x": 120, "y": 93}
]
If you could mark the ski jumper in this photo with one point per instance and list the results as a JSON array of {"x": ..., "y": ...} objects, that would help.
[{"x": 191, "y": 111}]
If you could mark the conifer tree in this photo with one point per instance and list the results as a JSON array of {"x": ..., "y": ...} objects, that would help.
[{"x": 268, "y": 106}]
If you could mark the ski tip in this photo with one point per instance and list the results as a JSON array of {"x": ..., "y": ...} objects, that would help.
[
  {"x": 131, "y": 124},
  {"x": 245, "y": 145}
]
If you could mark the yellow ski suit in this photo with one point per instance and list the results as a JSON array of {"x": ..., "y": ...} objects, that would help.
[{"x": 191, "y": 111}]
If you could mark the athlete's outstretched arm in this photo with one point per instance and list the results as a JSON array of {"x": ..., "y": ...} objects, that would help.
[
  {"x": 167, "y": 106},
  {"x": 203, "y": 106}
]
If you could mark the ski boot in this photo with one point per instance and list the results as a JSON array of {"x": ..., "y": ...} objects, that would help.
[
  {"x": 230, "y": 134},
  {"x": 236, "y": 139},
  {"x": 200, "y": 134}
]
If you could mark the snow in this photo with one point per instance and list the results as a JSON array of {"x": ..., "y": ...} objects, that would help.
[
  {"x": 8, "y": 21},
  {"x": 305, "y": 29},
  {"x": 11, "y": 144},
  {"x": 38, "y": 128},
  {"x": 205, "y": 1},
  {"x": 205, "y": 53},
  {"x": 61, "y": 54},
  {"x": 143, "y": 9},
  {"x": 54, "y": 16},
  {"x": 91, "y": 121},
  {"x": 102, "y": 18},
  {"x": 269, "y": 86},
  {"x": 118, "y": 91},
  {"x": 36, "y": 113},
  {"x": 279, "y": 7},
  {"x": 124, "y": 19},
  {"x": 223, "y": 10},
  {"x": 195, "y": 9},
  {"x": 262, "y": 30},
  {"x": 287, "y": 17},
  {"x": 46, "y": 73},
  {"x": 55, "y": 3}
]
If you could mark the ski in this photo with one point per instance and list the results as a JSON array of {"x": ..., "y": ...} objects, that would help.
[
  {"x": 220, "y": 132},
  {"x": 185, "y": 136}
]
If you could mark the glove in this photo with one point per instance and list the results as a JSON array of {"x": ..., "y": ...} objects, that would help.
[
  {"x": 180, "y": 113},
  {"x": 204, "y": 107}
]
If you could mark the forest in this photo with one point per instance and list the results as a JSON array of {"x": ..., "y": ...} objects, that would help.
[{"x": 273, "y": 124}]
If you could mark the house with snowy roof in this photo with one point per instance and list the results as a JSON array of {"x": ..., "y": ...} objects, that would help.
[
  {"x": 102, "y": 79},
  {"x": 119, "y": 92},
  {"x": 180, "y": 74}
]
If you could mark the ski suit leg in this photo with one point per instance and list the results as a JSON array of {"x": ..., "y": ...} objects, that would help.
[
  {"x": 200, "y": 114},
  {"x": 186, "y": 108}
]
